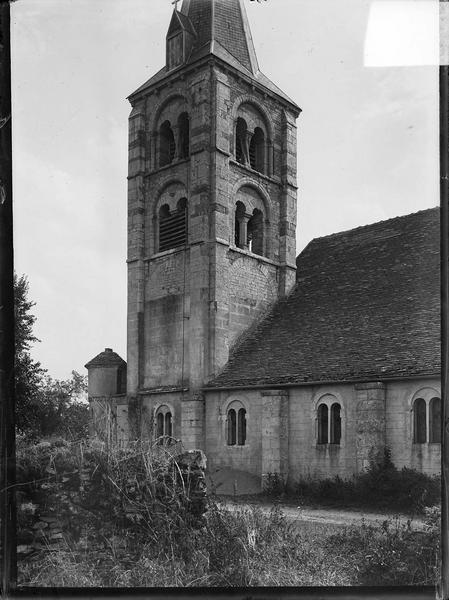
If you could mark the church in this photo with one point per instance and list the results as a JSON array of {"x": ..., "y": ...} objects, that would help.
[{"x": 268, "y": 362}]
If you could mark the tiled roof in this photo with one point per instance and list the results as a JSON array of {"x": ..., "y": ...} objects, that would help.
[
  {"x": 229, "y": 31},
  {"x": 108, "y": 358},
  {"x": 366, "y": 305},
  {"x": 222, "y": 29}
]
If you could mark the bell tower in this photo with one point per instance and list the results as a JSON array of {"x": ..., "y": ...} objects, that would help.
[{"x": 211, "y": 213}]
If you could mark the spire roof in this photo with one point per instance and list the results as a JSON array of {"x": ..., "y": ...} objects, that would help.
[
  {"x": 225, "y": 22},
  {"x": 220, "y": 28}
]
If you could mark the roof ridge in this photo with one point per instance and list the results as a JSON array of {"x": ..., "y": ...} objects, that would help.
[{"x": 360, "y": 227}]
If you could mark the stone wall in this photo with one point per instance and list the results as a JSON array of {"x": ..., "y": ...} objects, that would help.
[
  {"x": 374, "y": 416},
  {"x": 399, "y": 426},
  {"x": 306, "y": 456},
  {"x": 70, "y": 493},
  {"x": 151, "y": 402},
  {"x": 187, "y": 307},
  {"x": 219, "y": 454},
  {"x": 187, "y": 416},
  {"x": 275, "y": 433},
  {"x": 103, "y": 381},
  {"x": 109, "y": 418},
  {"x": 370, "y": 423}
]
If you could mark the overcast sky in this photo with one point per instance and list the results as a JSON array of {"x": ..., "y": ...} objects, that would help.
[{"x": 367, "y": 137}]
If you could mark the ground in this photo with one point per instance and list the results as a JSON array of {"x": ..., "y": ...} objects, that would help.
[
  {"x": 237, "y": 488},
  {"x": 324, "y": 516}
]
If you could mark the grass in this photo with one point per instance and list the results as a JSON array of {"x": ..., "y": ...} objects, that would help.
[
  {"x": 246, "y": 547},
  {"x": 128, "y": 522}
]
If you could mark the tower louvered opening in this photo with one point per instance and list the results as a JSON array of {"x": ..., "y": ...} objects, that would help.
[{"x": 173, "y": 226}]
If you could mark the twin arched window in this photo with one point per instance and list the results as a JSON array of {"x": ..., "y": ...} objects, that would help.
[
  {"x": 427, "y": 423},
  {"x": 236, "y": 425},
  {"x": 250, "y": 146},
  {"x": 164, "y": 423},
  {"x": 329, "y": 423},
  {"x": 174, "y": 142},
  {"x": 173, "y": 226},
  {"x": 248, "y": 229}
]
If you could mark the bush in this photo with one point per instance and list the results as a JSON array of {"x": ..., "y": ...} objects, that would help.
[
  {"x": 274, "y": 485},
  {"x": 391, "y": 554},
  {"x": 381, "y": 486}
]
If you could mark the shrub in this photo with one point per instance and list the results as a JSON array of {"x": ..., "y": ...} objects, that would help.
[
  {"x": 392, "y": 553},
  {"x": 386, "y": 486},
  {"x": 274, "y": 485},
  {"x": 382, "y": 485}
]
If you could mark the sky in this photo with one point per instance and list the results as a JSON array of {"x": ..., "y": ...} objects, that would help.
[{"x": 363, "y": 71}]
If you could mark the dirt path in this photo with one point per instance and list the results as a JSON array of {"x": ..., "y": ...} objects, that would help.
[
  {"x": 230, "y": 483},
  {"x": 331, "y": 516}
]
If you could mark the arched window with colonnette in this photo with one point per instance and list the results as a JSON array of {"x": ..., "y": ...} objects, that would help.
[
  {"x": 170, "y": 127},
  {"x": 250, "y": 138},
  {"x": 329, "y": 420},
  {"x": 163, "y": 424},
  {"x": 236, "y": 424},
  {"x": 426, "y": 417},
  {"x": 250, "y": 221}
]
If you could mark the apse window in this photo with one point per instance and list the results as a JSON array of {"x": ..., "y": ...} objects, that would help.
[
  {"x": 173, "y": 226},
  {"x": 236, "y": 425}
]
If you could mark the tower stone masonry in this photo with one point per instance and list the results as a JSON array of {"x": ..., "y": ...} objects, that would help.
[{"x": 211, "y": 209}]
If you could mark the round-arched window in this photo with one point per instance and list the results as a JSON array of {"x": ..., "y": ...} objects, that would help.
[
  {"x": 164, "y": 423},
  {"x": 236, "y": 424},
  {"x": 426, "y": 417},
  {"x": 329, "y": 420}
]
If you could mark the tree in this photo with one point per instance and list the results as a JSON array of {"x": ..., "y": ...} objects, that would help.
[
  {"x": 28, "y": 373},
  {"x": 44, "y": 406},
  {"x": 62, "y": 404}
]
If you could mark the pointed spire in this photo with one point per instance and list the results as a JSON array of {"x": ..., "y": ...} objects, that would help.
[
  {"x": 222, "y": 23},
  {"x": 220, "y": 28}
]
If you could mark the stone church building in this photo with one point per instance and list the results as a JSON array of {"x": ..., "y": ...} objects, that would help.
[{"x": 268, "y": 362}]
